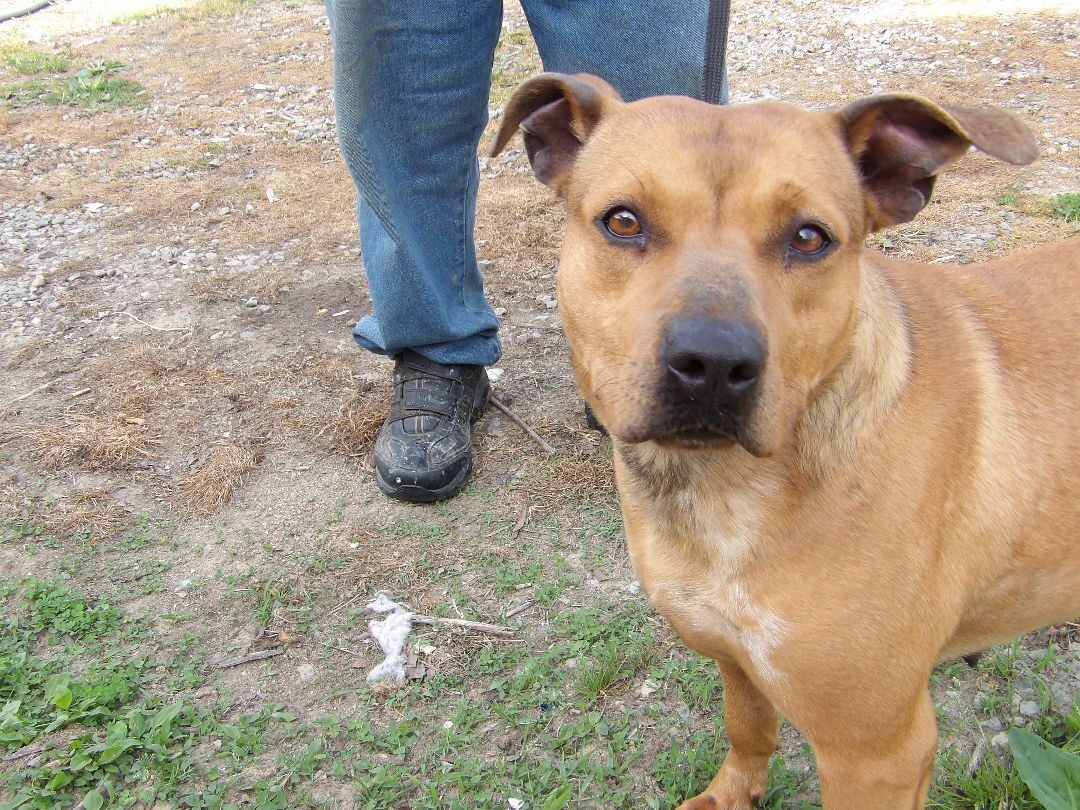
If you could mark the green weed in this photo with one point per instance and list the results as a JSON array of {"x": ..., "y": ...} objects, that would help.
[
  {"x": 612, "y": 663},
  {"x": 1051, "y": 774},
  {"x": 97, "y": 87},
  {"x": 1066, "y": 207}
]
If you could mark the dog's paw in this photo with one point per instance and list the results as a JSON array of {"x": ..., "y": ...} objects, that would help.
[
  {"x": 708, "y": 801},
  {"x": 702, "y": 801}
]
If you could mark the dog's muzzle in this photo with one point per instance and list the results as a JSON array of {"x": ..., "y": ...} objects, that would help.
[{"x": 708, "y": 381}]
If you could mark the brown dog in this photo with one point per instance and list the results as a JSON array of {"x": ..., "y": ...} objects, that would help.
[{"x": 836, "y": 470}]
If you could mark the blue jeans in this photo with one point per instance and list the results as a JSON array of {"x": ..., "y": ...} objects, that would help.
[{"x": 411, "y": 84}]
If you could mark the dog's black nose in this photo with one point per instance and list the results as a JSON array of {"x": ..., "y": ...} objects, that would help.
[{"x": 713, "y": 362}]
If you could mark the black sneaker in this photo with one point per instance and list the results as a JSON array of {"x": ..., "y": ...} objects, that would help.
[{"x": 424, "y": 449}]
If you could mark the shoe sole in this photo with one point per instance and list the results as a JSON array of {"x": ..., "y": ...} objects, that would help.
[{"x": 415, "y": 494}]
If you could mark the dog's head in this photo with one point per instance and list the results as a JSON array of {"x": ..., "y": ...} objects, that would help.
[{"x": 710, "y": 278}]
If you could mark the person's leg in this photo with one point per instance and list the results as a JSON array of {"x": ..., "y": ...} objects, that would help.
[
  {"x": 649, "y": 48},
  {"x": 411, "y": 86}
]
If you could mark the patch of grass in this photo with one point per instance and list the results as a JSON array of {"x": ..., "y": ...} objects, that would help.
[
  {"x": 610, "y": 665},
  {"x": 97, "y": 87},
  {"x": 23, "y": 93},
  {"x": 1066, "y": 207},
  {"x": 94, "y": 87},
  {"x": 97, "y": 442},
  {"x": 83, "y": 516},
  {"x": 987, "y": 778},
  {"x": 26, "y": 61},
  {"x": 57, "y": 610},
  {"x": 990, "y": 784},
  {"x": 1011, "y": 198},
  {"x": 197, "y": 11},
  {"x": 82, "y": 711}
]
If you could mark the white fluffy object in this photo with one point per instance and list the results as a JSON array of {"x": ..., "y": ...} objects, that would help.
[{"x": 391, "y": 633}]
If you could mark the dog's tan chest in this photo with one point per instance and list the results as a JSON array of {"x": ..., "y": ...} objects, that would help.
[
  {"x": 722, "y": 620},
  {"x": 693, "y": 554}
]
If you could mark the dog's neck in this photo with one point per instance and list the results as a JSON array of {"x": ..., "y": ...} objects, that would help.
[{"x": 843, "y": 411}]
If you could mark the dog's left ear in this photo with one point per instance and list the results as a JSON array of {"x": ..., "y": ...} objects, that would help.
[
  {"x": 556, "y": 114},
  {"x": 900, "y": 142}
]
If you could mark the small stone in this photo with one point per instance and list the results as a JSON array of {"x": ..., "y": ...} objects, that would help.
[
  {"x": 500, "y": 312},
  {"x": 252, "y": 302},
  {"x": 991, "y": 725},
  {"x": 1029, "y": 708},
  {"x": 264, "y": 308},
  {"x": 305, "y": 672},
  {"x": 37, "y": 282},
  {"x": 1000, "y": 740}
]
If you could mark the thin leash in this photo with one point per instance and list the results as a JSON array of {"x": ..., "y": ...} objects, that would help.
[{"x": 716, "y": 36}]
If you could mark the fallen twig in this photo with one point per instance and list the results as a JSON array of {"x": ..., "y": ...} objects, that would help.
[
  {"x": 517, "y": 420},
  {"x": 480, "y": 627},
  {"x": 28, "y": 394},
  {"x": 339, "y": 649},
  {"x": 155, "y": 328},
  {"x": 342, "y": 606},
  {"x": 22, "y": 753},
  {"x": 247, "y": 659},
  {"x": 519, "y": 609}
]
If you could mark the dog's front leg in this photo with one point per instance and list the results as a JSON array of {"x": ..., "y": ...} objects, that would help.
[
  {"x": 889, "y": 770},
  {"x": 751, "y": 723}
]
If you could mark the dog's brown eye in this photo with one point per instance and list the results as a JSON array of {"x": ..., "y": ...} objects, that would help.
[
  {"x": 623, "y": 223},
  {"x": 809, "y": 240}
]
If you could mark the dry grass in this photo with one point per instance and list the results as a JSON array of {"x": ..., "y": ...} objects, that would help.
[
  {"x": 356, "y": 424},
  {"x": 138, "y": 379},
  {"x": 405, "y": 564},
  {"x": 351, "y": 428},
  {"x": 91, "y": 514},
  {"x": 337, "y": 370},
  {"x": 91, "y": 441},
  {"x": 87, "y": 514},
  {"x": 265, "y": 285},
  {"x": 211, "y": 486}
]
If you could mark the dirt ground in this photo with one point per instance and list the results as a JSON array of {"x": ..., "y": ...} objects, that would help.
[{"x": 178, "y": 280}]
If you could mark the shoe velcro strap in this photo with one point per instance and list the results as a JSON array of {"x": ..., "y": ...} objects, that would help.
[{"x": 433, "y": 401}]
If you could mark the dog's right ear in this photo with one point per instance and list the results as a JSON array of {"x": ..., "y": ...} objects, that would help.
[{"x": 556, "y": 114}]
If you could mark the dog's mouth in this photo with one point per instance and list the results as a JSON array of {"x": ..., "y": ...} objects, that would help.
[
  {"x": 698, "y": 438},
  {"x": 695, "y": 437}
]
